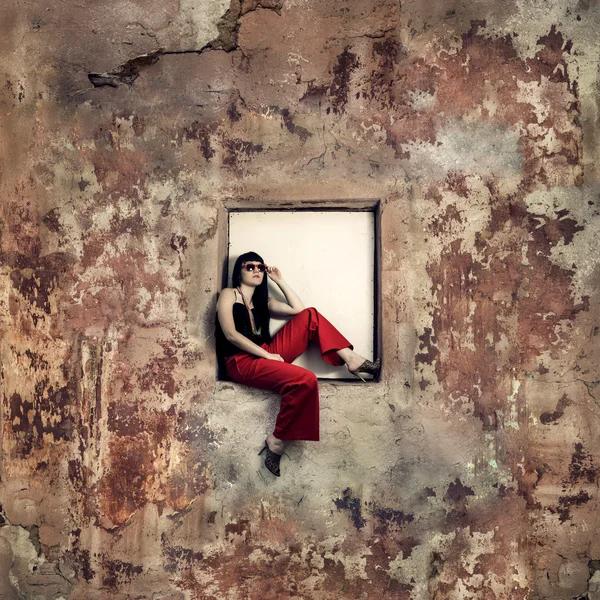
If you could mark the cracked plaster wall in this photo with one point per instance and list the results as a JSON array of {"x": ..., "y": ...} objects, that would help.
[{"x": 127, "y": 471}]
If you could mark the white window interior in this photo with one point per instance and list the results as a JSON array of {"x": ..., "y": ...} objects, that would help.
[{"x": 327, "y": 258}]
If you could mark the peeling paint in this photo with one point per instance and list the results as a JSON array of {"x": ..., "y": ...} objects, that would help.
[{"x": 471, "y": 470}]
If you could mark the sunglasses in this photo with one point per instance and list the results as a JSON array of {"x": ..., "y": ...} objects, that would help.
[{"x": 260, "y": 267}]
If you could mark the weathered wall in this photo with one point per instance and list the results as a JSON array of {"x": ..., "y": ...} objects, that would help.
[{"x": 471, "y": 470}]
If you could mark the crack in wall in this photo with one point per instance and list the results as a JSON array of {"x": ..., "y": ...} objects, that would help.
[
  {"x": 141, "y": 191},
  {"x": 226, "y": 41},
  {"x": 127, "y": 73}
]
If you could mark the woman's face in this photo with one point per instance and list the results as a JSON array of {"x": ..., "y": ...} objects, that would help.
[{"x": 252, "y": 278}]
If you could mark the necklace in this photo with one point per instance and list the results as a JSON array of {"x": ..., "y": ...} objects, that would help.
[{"x": 247, "y": 305}]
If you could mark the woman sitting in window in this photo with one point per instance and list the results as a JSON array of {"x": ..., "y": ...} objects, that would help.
[{"x": 250, "y": 356}]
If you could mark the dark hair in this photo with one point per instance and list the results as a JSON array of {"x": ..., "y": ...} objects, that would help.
[{"x": 260, "y": 298}]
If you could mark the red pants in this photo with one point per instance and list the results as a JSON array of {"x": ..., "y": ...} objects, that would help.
[{"x": 298, "y": 417}]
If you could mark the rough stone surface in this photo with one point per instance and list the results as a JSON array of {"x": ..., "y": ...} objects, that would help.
[{"x": 471, "y": 470}]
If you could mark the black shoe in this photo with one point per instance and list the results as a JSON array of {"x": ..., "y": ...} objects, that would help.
[
  {"x": 372, "y": 368},
  {"x": 271, "y": 460}
]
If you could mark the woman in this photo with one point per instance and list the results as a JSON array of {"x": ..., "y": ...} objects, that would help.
[{"x": 251, "y": 357}]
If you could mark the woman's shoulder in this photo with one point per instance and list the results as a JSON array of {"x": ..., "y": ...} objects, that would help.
[{"x": 227, "y": 295}]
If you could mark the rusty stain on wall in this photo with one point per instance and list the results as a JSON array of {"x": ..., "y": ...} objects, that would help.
[{"x": 128, "y": 470}]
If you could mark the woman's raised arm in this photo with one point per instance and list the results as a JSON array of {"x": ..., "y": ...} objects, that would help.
[{"x": 281, "y": 309}]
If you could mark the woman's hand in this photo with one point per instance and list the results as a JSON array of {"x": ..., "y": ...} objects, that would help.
[
  {"x": 275, "y": 274},
  {"x": 275, "y": 357}
]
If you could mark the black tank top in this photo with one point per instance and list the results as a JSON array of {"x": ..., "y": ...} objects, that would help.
[{"x": 242, "y": 324}]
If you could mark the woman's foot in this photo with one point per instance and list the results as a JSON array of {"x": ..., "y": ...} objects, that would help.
[
  {"x": 359, "y": 364},
  {"x": 274, "y": 448},
  {"x": 352, "y": 359},
  {"x": 275, "y": 445}
]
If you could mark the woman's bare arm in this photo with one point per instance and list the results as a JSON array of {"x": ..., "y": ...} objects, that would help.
[
  {"x": 225, "y": 316},
  {"x": 281, "y": 309}
]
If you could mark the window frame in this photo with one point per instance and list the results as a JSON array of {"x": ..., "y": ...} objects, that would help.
[{"x": 356, "y": 205}]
